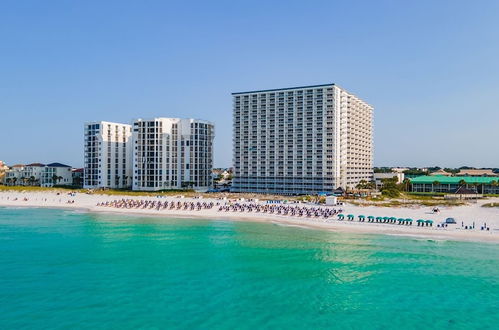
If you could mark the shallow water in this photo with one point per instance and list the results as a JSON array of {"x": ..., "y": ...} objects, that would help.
[{"x": 67, "y": 269}]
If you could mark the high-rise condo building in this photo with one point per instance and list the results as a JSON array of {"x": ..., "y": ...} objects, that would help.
[
  {"x": 172, "y": 153},
  {"x": 301, "y": 140},
  {"x": 108, "y": 155}
]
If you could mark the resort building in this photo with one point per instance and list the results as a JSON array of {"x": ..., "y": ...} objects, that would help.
[
  {"x": 172, "y": 153},
  {"x": 379, "y": 177},
  {"x": 301, "y": 140},
  {"x": 475, "y": 172},
  {"x": 56, "y": 174},
  {"x": 108, "y": 155},
  {"x": 451, "y": 184},
  {"x": 31, "y": 174},
  {"x": 441, "y": 172},
  {"x": 13, "y": 175}
]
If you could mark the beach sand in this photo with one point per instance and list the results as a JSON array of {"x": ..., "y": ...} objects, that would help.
[{"x": 473, "y": 212}]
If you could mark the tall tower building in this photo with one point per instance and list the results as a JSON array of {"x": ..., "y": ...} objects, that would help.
[
  {"x": 172, "y": 153},
  {"x": 108, "y": 155},
  {"x": 301, "y": 140}
]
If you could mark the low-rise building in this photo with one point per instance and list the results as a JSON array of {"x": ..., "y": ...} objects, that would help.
[
  {"x": 450, "y": 184},
  {"x": 13, "y": 175},
  {"x": 379, "y": 177},
  {"x": 475, "y": 172},
  {"x": 31, "y": 174},
  {"x": 440, "y": 172},
  {"x": 55, "y": 174}
]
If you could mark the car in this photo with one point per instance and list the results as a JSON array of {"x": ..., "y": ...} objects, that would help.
[{"x": 450, "y": 221}]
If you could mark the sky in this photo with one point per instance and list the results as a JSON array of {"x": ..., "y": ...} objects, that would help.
[{"x": 429, "y": 68}]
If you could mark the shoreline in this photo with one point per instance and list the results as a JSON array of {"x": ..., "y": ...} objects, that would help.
[{"x": 87, "y": 203}]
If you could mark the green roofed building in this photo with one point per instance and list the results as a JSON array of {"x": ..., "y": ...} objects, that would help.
[{"x": 450, "y": 184}]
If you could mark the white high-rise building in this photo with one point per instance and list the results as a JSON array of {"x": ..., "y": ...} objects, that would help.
[
  {"x": 301, "y": 140},
  {"x": 172, "y": 153},
  {"x": 108, "y": 155}
]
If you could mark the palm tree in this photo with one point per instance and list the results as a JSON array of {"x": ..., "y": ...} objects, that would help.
[
  {"x": 8, "y": 181},
  {"x": 23, "y": 180},
  {"x": 55, "y": 178},
  {"x": 406, "y": 184},
  {"x": 14, "y": 180}
]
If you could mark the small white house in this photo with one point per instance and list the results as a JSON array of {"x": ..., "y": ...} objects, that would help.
[{"x": 331, "y": 200}]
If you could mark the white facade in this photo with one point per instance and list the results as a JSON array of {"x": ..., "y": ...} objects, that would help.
[
  {"x": 56, "y": 174},
  {"x": 378, "y": 177},
  {"x": 172, "y": 153},
  {"x": 301, "y": 140},
  {"x": 13, "y": 175},
  {"x": 108, "y": 155},
  {"x": 31, "y": 174}
]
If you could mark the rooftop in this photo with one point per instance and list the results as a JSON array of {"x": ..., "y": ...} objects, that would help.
[
  {"x": 57, "y": 165},
  {"x": 453, "y": 179},
  {"x": 36, "y": 165},
  {"x": 282, "y": 89},
  {"x": 474, "y": 172}
]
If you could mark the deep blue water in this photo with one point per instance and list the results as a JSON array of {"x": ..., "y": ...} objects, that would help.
[{"x": 64, "y": 269}]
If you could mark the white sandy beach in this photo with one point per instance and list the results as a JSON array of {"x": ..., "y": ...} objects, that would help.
[{"x": 468, "y": 214}]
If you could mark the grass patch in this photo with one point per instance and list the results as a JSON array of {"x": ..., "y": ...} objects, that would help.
[{"x": 491, "y": 205}]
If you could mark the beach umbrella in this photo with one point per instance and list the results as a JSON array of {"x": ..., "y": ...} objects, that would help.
[
  {"x": 362, "y": 217},
  {"x": 378, "y": 219},
  {"x": 409, "y": 220},
  {"x": 420, "y": 221},
  {"x": 429, "y": 222},
  {"x": 370, "y": 218},
  {"x": 341, "y": 216},
  {"x": 400, "y": 220},
  {"x": 350, "y": 216},
  {"x": 393, "y": 219}
]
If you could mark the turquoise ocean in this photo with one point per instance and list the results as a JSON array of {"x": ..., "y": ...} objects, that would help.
[{"x": 67, "y": 269}]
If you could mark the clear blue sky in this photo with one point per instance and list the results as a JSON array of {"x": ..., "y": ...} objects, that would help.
[{"x": 430, "y": 69}]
